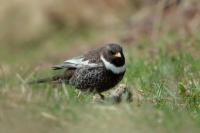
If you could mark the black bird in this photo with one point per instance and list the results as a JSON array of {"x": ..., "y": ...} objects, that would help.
[{"x": 96, "y": 71}]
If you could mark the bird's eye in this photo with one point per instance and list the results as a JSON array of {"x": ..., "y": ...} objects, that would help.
[{"x": 112, "y": 52}]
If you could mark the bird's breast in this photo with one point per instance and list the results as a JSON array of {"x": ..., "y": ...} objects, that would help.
[{"x": 95, "y": 79}]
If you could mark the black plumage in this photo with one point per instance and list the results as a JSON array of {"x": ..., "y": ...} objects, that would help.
[
  {"x": 94, "y": 79},
  {"x": 96, "y": 71}
]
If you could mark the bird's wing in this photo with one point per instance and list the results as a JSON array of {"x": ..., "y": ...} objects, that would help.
[{"x": 76, "y": 62}]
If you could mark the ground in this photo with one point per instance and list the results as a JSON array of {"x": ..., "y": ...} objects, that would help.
[{"x": 163, "y": 73}]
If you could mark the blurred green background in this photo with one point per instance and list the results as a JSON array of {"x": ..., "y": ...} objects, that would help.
[{"x": 161, "y": 41}]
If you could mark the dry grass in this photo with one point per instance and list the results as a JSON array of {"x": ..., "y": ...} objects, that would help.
[
  {"x": 26, "y": 21},
  {"x": 161, "y": 41}
]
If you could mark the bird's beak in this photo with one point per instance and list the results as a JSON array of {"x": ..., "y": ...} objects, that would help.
[{"x": 118, "y": 54}]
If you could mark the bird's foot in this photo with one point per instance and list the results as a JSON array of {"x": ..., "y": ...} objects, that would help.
[
  {"x": 98, "y": 98},
  {"x": 121, "y": 93}
]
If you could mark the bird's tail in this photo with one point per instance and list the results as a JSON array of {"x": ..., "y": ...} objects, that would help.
[{"x": 54, "y": 79}]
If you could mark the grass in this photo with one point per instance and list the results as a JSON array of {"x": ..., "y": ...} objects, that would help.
[
  {"x": 166, "y": 90},
  {"x": 163, "y": 72}
]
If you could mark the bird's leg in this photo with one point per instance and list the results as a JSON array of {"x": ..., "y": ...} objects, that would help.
[
  {"x": 98, "y": 98},
  {"x": 79, "y": 93},
  {"x": 102, "y": 96}
]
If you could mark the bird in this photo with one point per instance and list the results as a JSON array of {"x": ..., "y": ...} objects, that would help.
[{"x": 96, "y": 71}]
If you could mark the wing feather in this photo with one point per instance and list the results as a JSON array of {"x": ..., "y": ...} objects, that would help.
[{"x": 76, "y": 62}]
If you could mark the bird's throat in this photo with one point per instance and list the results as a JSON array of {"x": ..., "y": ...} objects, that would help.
[{"x": 112, "y": 67}]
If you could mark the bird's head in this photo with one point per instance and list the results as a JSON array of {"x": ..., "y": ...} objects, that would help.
[{"x": 113, "y": 58}]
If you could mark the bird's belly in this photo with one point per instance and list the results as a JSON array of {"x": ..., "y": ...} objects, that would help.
[{"x": 94, "y": 79}]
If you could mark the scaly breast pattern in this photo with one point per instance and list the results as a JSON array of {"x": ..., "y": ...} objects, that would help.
[{"x": 94, "y": 79}]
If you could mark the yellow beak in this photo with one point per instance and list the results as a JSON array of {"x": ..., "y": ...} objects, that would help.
[{"x": 118, "y": 54}]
